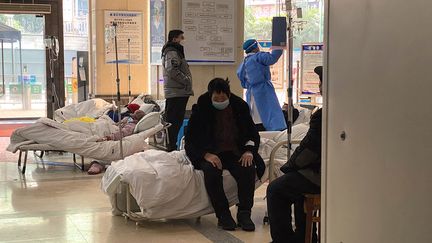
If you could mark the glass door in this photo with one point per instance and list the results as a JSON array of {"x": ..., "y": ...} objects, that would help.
[{"x": 22, "y": 66}]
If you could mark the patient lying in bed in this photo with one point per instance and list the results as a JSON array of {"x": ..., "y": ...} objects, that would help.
[{"x": 128, "y": 126}]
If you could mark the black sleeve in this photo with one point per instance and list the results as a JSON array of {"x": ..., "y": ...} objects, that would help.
[
  {"x": 193, "y": 139},
  {"x": 308, "y": 154},
  {"x": 251, "y": 132},
  {"x": 296, "y": 114},
  {"x": 312, "y": 140}
]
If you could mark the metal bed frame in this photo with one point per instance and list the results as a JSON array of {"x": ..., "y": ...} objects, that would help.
[
  {"x": 42, "y": 148},
  {"x": 165, "y": 141},
  {"x": 128, "y": 214}
]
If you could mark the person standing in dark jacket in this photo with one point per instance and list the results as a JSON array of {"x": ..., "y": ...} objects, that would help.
[
  {"x": 177, "y": 86},
  {"x": 222, "y": 135},
  {"x": 302, "y": 175}
]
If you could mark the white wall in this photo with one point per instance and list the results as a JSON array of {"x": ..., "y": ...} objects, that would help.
[{"x": 378, "y": 182}]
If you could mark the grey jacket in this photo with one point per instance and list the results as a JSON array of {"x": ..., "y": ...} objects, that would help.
[{"x": 176, "y": 73}]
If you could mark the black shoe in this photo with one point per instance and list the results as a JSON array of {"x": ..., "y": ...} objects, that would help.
[
  {"x": 244, "y": 221},
  {"x": 227, "y": 223}
]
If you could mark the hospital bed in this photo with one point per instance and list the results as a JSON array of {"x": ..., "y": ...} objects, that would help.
[
  {"x": 138, "y": 192},
  {"x": 97, "y": 107},
  {"x": 42, "y": 148},
  {"x": 48, "y": 135}
]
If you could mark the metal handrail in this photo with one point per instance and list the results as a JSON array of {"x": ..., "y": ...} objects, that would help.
[{"x": 273, "y": 155}]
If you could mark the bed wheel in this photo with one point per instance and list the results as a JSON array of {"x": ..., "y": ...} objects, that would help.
[{"x": 265, "y": 220}]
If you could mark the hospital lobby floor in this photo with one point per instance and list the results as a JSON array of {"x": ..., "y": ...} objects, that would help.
[{"x": 55, "y": 202}]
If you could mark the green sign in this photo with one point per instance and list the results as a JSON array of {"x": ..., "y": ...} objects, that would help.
[
  {"x": 15, "y": 88},
  {"x": 69, "y": 88},
  {"x": 36, "y": 89}
]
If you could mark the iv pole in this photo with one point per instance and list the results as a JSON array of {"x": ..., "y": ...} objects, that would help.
[
  {"x": 118, "y": 89},
  {"x": 289, "y": 9},
  {"x": 129, "y": 70}
]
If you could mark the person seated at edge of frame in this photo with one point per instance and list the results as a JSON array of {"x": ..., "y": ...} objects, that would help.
[
  {"x": 302, "y": 175},
  {"x": 222, "y": 135}
]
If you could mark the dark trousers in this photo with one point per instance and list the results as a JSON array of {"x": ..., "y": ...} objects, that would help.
[
  {"x": 244, "y": 176},
  {"x": 175, "y": 109},
  {"x": 260, "y": 127},
  {"x": 281, "y": 194}
]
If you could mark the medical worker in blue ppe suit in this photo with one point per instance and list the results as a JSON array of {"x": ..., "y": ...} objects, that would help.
[{"x": 254, "y": 74}]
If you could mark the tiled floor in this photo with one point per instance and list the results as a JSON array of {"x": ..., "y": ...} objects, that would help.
[{"x": 55, "y": 202}]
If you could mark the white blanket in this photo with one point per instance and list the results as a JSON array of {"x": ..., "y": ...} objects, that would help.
[
  {"x": 166, "y": 186},
  {"x": 81, "y": 140},
  {"x": 103, "y": 126},
  {"x": 92, "y": 108}
]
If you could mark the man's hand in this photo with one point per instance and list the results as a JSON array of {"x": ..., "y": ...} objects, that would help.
[
  {"x": 214, "y": 160},
  {"x": 247, "y": 159}
]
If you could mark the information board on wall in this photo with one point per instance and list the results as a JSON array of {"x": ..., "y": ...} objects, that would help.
[
  {"x": 312, "y": 56},
  {"x": 157, "y": 30},
  {"x": 209, "y": 30},
  {"x": 129, "y": 27}
]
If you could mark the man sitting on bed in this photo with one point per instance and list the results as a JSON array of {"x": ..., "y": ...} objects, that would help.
[
  {"x": 128, "y": 126},
  {"x": 221, "y": 135}
]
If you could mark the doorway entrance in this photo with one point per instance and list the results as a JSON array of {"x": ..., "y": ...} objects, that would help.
[{"x": 23, "y": 92}]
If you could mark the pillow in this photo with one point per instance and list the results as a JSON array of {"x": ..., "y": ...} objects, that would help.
[
  {"x": 148, "y": 121},
  {"x": 147, "y": 108},
  {"x": 304, "y": 115}
]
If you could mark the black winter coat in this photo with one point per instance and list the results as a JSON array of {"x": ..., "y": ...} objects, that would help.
[
  {"x": 306, "y": 159},
  {"x": 199, "y": 138}
]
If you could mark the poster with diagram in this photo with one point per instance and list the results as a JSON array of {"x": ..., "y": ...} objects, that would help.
[
  {"x": 157, "y": 30},
  {"x": 209, "y": 27},
  {"x": 129, "y": 27},
  {"x": 312, "y": 56}
]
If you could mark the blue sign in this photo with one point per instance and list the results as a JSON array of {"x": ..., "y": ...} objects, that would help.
[
  {"x": 316, "y": 47},
  {"x": 28, "y": 79},
  {"x": 265, "y": 44}
]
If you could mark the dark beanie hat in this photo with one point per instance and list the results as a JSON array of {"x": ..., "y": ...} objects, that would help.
[{"x": 318, "y": 70}]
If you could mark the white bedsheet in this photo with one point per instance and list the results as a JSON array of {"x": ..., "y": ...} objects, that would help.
[
  {"x": 92, "y": 108},
  {"x": 166, "y": 186},
  {"x": 58, "y": 135}
]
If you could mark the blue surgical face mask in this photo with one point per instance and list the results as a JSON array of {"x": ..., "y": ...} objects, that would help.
[{"x": 221, "y": 105}]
